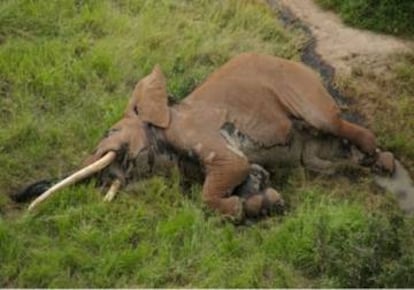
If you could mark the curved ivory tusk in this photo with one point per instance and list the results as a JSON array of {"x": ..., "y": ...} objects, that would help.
[
  {"x": 113, "y": 190},
  {"x": 75, "y": 177}
]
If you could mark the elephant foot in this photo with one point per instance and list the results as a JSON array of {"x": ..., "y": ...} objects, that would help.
[
  {"x": 264, "y": 203},
  {"x": 385, "y": 163}
]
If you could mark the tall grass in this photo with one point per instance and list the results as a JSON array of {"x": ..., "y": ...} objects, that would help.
[{"x": 67, "y": 69}]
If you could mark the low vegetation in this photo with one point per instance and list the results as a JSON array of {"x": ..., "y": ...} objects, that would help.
[
  {"x": 390, "y": 16},
  {"x": 67, "y": 69},
  {"x": 386, "y": 98}
]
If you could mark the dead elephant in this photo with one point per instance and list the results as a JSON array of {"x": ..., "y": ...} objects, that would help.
[{"x": 253, "y": 110}]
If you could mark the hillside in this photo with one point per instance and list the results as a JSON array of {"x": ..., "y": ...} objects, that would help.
[{"x": 67, "y": 69}]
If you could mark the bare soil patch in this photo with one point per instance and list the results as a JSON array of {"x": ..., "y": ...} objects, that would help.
[{"x": 342, "y": 46}]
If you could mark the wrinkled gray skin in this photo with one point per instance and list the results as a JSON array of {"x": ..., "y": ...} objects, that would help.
[{"x": 308, "y": 148}]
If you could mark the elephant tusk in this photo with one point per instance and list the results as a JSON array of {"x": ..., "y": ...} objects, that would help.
[
  {"x": 113, "y": 190},
  {"x": 75, "y": 177}
]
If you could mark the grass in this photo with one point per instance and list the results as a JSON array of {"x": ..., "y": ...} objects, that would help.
[
  {"x": 389, "y": 16},
  {"x": 67, "y": 69},
  {"x": 154, "y": 237},
  {"x": 386, "y": 99}
]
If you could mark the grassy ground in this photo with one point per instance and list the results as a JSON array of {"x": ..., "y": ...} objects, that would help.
[
  {"x": 390, "y": 16},
  {"x": 67, "y": 69},
  {"x": 386, "y": 98}
]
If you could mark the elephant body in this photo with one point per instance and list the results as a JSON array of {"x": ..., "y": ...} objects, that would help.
[{"x": 259, "y": 96}]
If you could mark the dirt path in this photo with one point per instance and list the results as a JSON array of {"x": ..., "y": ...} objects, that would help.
[{"x": 342, "y": 46}]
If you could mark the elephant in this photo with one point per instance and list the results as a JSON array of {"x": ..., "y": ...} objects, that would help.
[{"x": 253, "y": 113}]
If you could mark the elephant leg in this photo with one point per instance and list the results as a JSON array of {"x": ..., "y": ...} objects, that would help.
[
  {"x": 316, "y": 164},
  {"x": 225, "y": 170},
  {"x": 363, "y": 138},
  {"x": 263, "y": 203},
  {"x": 313, "y": 162}
]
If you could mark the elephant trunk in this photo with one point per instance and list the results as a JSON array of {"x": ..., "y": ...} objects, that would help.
[{"x": 79, "y": 175}]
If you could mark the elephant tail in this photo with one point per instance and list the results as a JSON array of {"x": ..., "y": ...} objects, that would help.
[{"x": 33, "y": 190}]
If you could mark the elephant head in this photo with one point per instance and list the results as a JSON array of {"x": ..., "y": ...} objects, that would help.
[
  {"x": 128, "y": 142},
  {"x": 148, "y": 105}
]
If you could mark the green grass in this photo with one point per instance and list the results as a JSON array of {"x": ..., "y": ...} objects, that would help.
[
  {"x": 398, "y": 135},
  {"x": 386, "y": 97},
  {"x": 67, "y": 69},
  {"x": 155, "y": 237},
  {"x": 390, "y": 16}
]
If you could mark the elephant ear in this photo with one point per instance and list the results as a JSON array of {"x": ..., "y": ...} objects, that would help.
[{"x": 150, "y": 99}]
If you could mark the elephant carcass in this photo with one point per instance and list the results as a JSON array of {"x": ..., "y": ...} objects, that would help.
[
  {"x": 260, "y": 96},
  {"x": 320, "y": 153}
]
